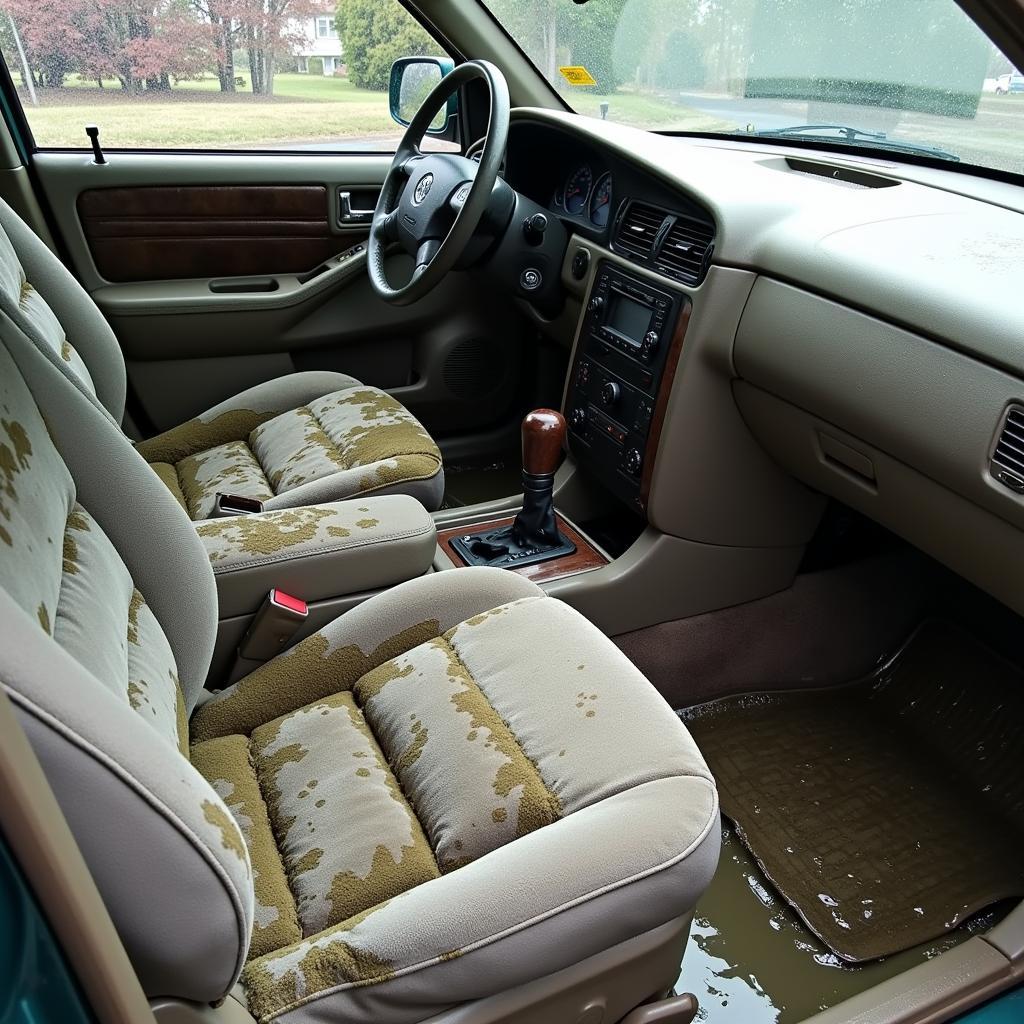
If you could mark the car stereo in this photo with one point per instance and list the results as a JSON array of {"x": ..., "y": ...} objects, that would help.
[
  {"x": 628, "y": 314},
  {"x": 630, "y": 338}
]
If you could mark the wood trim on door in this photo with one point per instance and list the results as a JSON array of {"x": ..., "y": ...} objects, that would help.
[{"x": 169, "y": 233}]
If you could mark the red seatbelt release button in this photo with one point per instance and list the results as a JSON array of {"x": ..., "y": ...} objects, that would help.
[
  {"x": 273, "y": 626},
  {"x": 286, "y": 601}
]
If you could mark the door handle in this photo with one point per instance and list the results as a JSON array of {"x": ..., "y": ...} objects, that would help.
[{"x": 348, "y": 215}]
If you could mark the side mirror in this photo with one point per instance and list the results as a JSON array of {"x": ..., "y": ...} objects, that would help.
[{"x": 412, "y": 79}]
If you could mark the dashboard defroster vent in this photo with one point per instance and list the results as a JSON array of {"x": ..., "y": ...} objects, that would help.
[
  {"x": 1008, "y": 458},
  {"x": 638, "y": 229},
  {"x": 683, "y": 254}
]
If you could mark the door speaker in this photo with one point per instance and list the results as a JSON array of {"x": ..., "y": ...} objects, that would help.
[{"x": 473, "y": 369}]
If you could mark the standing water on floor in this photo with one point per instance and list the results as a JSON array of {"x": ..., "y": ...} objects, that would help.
[{"x": 750, "y": 959}]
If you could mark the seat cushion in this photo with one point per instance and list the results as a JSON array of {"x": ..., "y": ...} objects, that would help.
[
  {"x": 345, "y": 443},
  {"x": 492, "y": 783}
]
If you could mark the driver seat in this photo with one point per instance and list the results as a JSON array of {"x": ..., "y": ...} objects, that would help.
[{"x": 306, "y": 438}]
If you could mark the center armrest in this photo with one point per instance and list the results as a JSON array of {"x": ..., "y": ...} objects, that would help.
[{"x": 318, "y": 551}]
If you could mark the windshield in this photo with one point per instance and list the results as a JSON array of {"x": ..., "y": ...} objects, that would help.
[{"x": 910, "y": 76}]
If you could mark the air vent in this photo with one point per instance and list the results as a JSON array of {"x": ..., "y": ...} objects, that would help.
[
  {"x": 639, "y": 229},
  {"x": 683, "y": 253},
  {"x": 1008, "y": 458}
]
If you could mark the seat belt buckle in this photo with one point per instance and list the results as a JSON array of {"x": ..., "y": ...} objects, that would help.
[
  {"x": 235, "y": 505},
  {"x": 273, "y": 626}
]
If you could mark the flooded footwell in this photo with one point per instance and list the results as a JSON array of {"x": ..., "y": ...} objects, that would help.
[
  {"x": 751, "y": 960},
  {"x": 886, "y": 812}
]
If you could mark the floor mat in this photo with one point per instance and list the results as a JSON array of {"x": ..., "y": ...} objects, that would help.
[{"x": 888, "y": 811}]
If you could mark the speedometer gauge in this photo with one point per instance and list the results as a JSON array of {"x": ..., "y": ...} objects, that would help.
[
  {"x": 577, "y": 189},
  {"x": 601, "y": 201}
]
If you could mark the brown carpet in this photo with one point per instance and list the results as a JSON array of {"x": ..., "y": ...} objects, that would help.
[
  {"x": 825, "y": 630},
  {"x": 888, "y": 811}
]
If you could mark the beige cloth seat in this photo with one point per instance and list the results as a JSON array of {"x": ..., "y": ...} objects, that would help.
[
  {"x": 308, "y": 437},
  {"x": 456, "y": 788}
]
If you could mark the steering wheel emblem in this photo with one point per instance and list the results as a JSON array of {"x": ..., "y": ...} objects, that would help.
[{"x": 422, "y": 188}]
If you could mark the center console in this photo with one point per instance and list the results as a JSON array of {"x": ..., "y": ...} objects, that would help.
[{"x": 626, "y": 356}]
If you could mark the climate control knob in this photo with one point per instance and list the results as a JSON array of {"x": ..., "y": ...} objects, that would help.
[
  {"x": 634, "y": 460},
  {"x": 610, "y": 393},
  {"x": 579, "y": 417}
]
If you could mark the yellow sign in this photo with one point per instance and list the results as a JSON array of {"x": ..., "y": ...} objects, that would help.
[{"x": 578, "y": 75}]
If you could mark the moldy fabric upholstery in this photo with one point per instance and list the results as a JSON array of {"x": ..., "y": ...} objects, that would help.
[
  {"x": 468, "y": 738},
  {"x": 287, "y": 444},
  {"x": 298, "y": 440},
  {"x": 455, "y": 788}
]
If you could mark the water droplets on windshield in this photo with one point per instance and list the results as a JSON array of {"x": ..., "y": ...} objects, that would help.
[{"x": 930, "y": 85}]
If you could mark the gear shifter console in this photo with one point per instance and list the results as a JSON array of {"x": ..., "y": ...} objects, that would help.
[{"x": 533, "y": 536}]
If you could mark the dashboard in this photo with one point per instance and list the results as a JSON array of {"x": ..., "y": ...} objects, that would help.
[
  {"x": 841, "y": 325},
  {"x": 590, "y": 188}
]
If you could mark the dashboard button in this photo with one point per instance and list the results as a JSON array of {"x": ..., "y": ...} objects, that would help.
[
  {"x": 530, "y": 279},
  {"x": 610, "y": 392},
  {"x": 596, "y": 303},
  {"x": 634, "y": 461},
  {"x": 580, "y": 264}
]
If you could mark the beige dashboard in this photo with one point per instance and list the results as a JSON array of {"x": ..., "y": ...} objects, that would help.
[{"x": 859, "y": 334}]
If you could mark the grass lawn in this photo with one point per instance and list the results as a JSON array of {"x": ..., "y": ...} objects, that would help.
[
  {"x": 643, "y": 110},
  {"x": 311, "y": 109},
  {"x": 304, "y": 109}
]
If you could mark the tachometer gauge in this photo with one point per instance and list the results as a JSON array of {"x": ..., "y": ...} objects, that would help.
[
  {"x": 601, "y": 201},
  {"x": 577, "y": 189}
]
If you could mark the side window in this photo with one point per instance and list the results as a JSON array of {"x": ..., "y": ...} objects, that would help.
[{"x": 210, "y": 74}]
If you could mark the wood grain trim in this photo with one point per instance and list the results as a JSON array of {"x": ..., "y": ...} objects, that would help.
[
  {"x": 585, "y": 558},
  {"x": 668, "y": 376},
  {"x": 170, "y": 233}
]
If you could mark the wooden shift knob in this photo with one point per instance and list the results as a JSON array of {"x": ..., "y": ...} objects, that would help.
[{"x": 543, "y": 437}]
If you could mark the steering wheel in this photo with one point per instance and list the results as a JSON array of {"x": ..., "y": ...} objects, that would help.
[{"x": 431, "y": 203}]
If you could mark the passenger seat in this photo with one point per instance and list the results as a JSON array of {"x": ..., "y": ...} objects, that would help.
[{"x": 459, "y": 796}]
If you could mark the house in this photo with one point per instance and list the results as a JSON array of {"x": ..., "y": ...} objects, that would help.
[{"x": 317, "y": 40}]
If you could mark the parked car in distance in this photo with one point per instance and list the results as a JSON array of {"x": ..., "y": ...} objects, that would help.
[{"x": 1009, "y": 83}]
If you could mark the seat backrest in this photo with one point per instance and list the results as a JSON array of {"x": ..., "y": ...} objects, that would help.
[
  {"x": 39, "y": 294},
  {"x": 107, "y": 619}
]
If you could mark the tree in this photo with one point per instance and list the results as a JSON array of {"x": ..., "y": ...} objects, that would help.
[
  {"x": 269, "y": 29},
  {"x": 50, "y": 34},
  {"x": 140, "y": 42},
  {"x": 556, "y": 32},
  {"x": 374, "y": 34},
  {"x": 223, "y": 18}
]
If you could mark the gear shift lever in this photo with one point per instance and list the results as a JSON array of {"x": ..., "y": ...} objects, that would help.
[
  {"x": 543, "y": 437},
  {"x": 533, "y": 536}
]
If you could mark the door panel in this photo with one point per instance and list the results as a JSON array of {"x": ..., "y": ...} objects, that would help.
[
  {"x": 219, "y": 271},
  {"x": 146, "y": 234}
]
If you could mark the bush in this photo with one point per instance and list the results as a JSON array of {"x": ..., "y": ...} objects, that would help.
[{"x": 374, "y": 34}]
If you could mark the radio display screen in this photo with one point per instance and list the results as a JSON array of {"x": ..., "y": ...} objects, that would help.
[{"x": 628, "y": 318}]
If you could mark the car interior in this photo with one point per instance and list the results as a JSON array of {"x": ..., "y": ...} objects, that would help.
[{"x": 631, "y": 521}]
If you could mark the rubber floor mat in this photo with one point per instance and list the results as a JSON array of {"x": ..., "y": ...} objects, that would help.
[{"x": 888, "y": 811}]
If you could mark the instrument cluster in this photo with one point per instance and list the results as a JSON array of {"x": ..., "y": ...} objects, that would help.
[{"x": 586, "y": 195}]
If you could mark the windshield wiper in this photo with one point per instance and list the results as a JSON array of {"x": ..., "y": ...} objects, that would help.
[{"x": 855, "y": 137}]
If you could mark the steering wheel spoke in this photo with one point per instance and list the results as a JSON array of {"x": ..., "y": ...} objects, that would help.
[
  {"x": 389, "y": 227},
  {"x": 427, "y": 251},
  {"x": 432, "y": 203}
]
